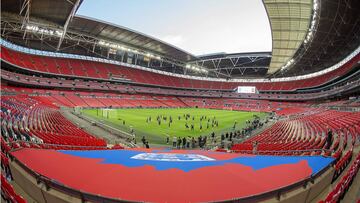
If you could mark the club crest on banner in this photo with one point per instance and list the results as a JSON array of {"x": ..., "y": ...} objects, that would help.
[{"x": 171, "y": 157}]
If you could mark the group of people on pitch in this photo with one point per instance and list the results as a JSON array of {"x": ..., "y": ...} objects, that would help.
[{"x": 187, "y": 142}]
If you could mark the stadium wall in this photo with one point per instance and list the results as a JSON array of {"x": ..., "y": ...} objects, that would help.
[{"x": 38, "y": 191}]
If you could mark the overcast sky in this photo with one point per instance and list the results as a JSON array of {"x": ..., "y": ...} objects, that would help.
[{"x": 196, "y": 26}]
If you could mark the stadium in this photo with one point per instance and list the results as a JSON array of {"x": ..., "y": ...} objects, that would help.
[{"x": 94, "y": 111}]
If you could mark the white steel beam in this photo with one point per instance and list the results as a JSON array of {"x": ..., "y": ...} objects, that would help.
[{"x": 68, "y": 20}]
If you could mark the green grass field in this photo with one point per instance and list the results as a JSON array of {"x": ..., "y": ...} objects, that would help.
[{"x": 156, "y": 134}]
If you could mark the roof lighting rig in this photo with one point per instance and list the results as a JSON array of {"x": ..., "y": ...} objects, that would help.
[
  {"x": 43, "y": 31},
  {"x": 124, "y": 48},
  {"x": 196, "y": 68},
  {"x": 117, "y": 46}
]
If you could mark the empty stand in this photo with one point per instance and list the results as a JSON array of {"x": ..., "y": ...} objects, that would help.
[
  {"x": 97, "y": 70},
  {"x": 27, "y": 119},
  {"x": 305, "y": 134}
]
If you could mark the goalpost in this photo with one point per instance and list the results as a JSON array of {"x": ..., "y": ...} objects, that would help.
[{"x": 106, "y": 113}]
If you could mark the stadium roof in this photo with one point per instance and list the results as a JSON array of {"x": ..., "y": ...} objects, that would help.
[
  {"x": 336, "y": 35},
  {"x": 116, "y": 33},
  {"x": 60, "y": 11},
  {"x": 311, "y": 35},
  {"x": 289, "y": 24},
  {"x": 56, "y": 11}
]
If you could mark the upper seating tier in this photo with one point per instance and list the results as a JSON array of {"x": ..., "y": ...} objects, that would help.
[{"x": 98, "y": 70}]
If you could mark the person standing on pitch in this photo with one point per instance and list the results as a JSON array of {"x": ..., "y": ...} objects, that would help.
[
  {"x": 174, "y": 141},
  {"x": 193, "y": 142},
  {"x": 143, "y": 140},
  {"x": 179, "y": 143},
  {"x": 183, "y": 142}
]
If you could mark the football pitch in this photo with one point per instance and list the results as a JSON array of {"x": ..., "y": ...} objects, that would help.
[{"x": 155, "y": 124}]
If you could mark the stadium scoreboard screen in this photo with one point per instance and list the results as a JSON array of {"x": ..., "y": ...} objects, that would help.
[{"x": 247, "y": 90}]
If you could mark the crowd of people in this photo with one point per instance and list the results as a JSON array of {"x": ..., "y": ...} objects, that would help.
[
  {"x": 191, "y": 142},
  {"x": 187, "y": 142},
  {"x": 252, "y": 125},
  {"x": 205, "y": 122}
]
